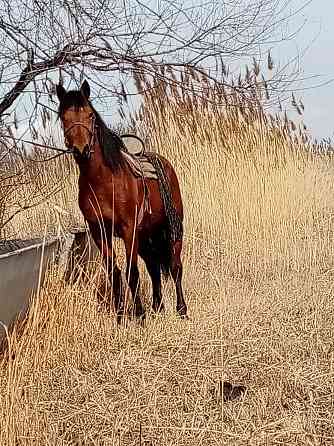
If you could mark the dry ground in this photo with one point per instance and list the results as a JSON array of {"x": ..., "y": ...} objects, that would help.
[{"x": 259, "y": 282}]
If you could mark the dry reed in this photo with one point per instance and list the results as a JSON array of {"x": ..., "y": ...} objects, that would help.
[{"x": 258, "y": 278}]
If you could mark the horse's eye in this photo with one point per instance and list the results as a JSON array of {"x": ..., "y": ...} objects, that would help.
[{"x": 91, "y": 114}]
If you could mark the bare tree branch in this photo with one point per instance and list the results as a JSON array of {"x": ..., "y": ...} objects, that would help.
[
  {"x": 124, "y": 36},
  {"x": 30, "y": 72}
]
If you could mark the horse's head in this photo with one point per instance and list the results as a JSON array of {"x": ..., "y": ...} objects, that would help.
[{"x": 78, "y": 118}]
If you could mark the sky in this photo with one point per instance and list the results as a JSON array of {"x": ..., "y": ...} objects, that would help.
[
  {"x": 317, "y": 37},
  {"x": 314, "y": 45}
]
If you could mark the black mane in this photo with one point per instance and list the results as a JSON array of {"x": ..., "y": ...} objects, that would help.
[{"x": 111, "y": 144}]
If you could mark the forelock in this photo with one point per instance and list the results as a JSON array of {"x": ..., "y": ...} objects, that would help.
[{"x": 72, "y": 98}]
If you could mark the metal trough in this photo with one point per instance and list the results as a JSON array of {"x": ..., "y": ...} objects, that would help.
[{"x": 21, "y": 271}]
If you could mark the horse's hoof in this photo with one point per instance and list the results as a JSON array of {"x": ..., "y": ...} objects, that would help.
[
  {"x": 103, "y": 308},
  {"x": 183, "y": 314},
  {"x": 120, "y": 317},
  {"x": 142, "y": 319},
  {"x": 159, "y": 309},
  {"x": 155, "y": 315},
  {"x": 140, "y": 316}
]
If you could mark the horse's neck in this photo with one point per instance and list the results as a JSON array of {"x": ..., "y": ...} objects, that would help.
[{"x": 96, "y": 168}]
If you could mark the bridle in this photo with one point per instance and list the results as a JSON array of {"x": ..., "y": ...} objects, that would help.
[{"x": 87, "y": 152}]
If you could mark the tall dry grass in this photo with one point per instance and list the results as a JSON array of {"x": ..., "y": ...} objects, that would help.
[{"x": 258, "y": 279}]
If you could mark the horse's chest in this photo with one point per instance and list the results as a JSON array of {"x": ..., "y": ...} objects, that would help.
[
  {"x": 95, "y": 204},
  {"x": 99, "y": 203}
]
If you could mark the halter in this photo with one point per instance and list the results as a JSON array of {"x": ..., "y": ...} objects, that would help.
[{"x": 87, "y": 152}]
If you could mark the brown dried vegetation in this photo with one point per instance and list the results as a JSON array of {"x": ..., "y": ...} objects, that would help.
[{"x": 258, "y": 279}]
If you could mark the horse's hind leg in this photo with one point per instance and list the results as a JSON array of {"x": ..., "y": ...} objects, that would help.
[
  {"x": 154, "y": 270},
  {"x": 176, "y": 272},
  {"x": 132, "y": 274}
]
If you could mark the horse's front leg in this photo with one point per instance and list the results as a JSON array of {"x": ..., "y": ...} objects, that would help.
[
  {"x": 113, "y": 271},
  {"x": 132, "y": 273}
]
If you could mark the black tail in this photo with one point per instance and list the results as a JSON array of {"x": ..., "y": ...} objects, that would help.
[
  {"x": 162, "y": 243},
  {"x": 174, "y": 221}
]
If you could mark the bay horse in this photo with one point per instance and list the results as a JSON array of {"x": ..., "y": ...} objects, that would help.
[{"x": 111, "y": 200}]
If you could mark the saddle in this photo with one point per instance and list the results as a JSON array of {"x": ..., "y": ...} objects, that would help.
[
  {"x": 141, "y": 167},
  {"x": 138, "y": 160},
  {"x": 148, "y": 165}
]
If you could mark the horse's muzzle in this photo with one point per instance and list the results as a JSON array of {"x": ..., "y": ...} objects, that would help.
[{"x": 85, "y": 155}]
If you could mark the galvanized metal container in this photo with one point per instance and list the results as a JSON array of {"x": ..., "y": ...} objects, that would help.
[{"x": 22, "y": 270}]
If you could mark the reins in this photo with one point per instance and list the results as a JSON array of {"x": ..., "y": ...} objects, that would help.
[
  {"x": 71, "y": 151},
  {"x": 45, "y": 146}
]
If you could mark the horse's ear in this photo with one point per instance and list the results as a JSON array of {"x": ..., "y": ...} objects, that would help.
[
  {"x": 60, "y": 92},
  {"x": 85, "y": 89}
]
